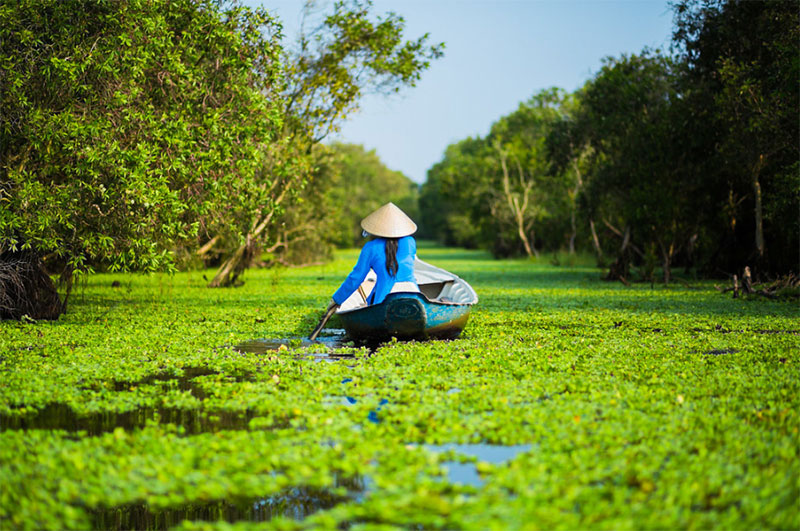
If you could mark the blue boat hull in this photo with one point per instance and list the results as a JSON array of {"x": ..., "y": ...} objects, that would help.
[{"x": 406, "y": 316}]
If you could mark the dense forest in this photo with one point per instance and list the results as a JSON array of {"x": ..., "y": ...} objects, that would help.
[
  {"x": 661, "y": 160},
  {"x": 164, "y": 135},
  {"x": 154, "y": 135}
]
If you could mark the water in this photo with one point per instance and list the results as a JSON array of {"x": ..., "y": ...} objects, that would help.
[
  {"x": 330, "y": 340},
  {"x": 183, "y": 382},
  {"x": 721, "y": 351},
  {"x": 61, "y": 416},
  {"x": 467, "y": 473},
  {"x": 372, "y": 416},
  {"x": 296, "y": 503},
  {"x": 333, "y": 339}
]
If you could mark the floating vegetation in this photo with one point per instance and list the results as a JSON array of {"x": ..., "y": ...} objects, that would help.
[{"x": 568, "y": 402}]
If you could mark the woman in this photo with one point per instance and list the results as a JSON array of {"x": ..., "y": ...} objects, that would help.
[{"x": 390, "y": 254}]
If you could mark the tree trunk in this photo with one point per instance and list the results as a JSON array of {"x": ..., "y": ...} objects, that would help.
[
  {"x": 574, "y": 206},
  {"x": 666, "y": 261},
  {"x": 25, "y": 289},
  {"x": 620, "y": 268},
  {"x": 532, "y": 243},
  {"x": 758, "y": 215},
  {"x": 690, "y": 252},
  {"x": 229, "y": 272},
  {"x": 207, "y": 247},
  {"x": 66, "y": 279},
  {"x": 574, "y": 232},
  {"x": 747, "y": 281},
  {"x": 626, "y": 238},
  {"x": 517, "y": 210},
  {"x": 234, "y": 266},
  {"x": 595, "y": 240},
  {"x": 524, "y": 237}
]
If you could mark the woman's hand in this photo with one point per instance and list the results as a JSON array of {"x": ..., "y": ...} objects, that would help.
[{"x": 332, "y": 304}]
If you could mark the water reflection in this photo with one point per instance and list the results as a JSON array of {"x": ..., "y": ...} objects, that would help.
[
  {"x": 183, "y": 382},
  {"x": 467, "y": 473},
  {"x": 59, "y": 416},
  {"x": 331, "y": 339},
  {"x": 296, "y": 503}
]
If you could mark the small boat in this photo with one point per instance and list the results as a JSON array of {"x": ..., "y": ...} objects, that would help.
[{"x": 439, "y": 310}]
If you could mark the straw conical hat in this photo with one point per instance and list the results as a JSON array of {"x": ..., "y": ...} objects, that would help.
[{"x": 389, "y": 222}]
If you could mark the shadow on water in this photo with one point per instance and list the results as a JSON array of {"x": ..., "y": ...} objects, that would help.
[
  {"x": 331, "y": 339},
  {"x": 297, "y": 503},
  {"x": 61, "y": 416},
  {"x": 183, "y": 382}
]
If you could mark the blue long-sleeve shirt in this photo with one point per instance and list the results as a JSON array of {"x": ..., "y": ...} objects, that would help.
[{"x": 373, "y": 256}]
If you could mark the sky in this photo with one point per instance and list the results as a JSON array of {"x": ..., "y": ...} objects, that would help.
[{"x": 497, "y": 54}]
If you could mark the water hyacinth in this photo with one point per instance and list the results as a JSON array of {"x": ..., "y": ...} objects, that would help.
[{"x": 625, "y": 407}]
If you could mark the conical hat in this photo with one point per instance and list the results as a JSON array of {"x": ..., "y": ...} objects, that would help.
[{"x": 389, "y": 222}]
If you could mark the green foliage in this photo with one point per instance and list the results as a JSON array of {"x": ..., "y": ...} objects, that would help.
[
  {"x": 453, "y": 186},
  {"x": 526, "y": 193},
  {"x": 142, "y": 129},
  {"x": 347, "y": 183},
  {"x": 362, "y": 184},
  {"x": 689, "y": 159},
  {"x": 352, "y": 53},
  {"x": 630, "y": 116},
  {"x": 497, "y": 192},
  {"x": 349, "y": 53},
  {"x": 128, "y": 127},
  {"x": 742, "y": 70},
  {"x": 643, "y": 407}
]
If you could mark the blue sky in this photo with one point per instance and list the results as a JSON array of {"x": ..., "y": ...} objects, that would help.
[{"x": 498, "y": 54}]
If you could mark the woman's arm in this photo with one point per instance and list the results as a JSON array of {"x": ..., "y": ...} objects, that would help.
[{"x": 356, "y": 276}]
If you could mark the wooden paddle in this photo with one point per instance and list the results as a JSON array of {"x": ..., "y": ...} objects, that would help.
[{"x": 331, "y": 308}]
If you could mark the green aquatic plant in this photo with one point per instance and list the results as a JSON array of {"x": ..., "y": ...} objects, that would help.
[{"x": 636, "y": 407}]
